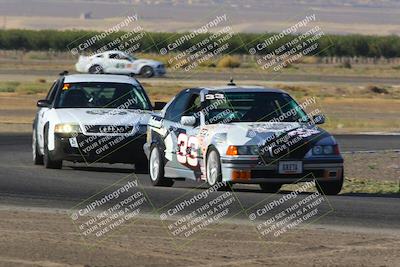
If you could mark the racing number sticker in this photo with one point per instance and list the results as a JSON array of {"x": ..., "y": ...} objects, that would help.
[
  {"x": 185, "y": 143},
  {"x": 182, "y": 146}
]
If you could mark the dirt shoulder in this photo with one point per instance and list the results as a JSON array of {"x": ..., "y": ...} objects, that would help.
[{"x": 31, "y": 238}]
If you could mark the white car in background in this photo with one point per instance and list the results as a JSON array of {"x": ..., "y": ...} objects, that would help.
[{"x": 117, "y": 62}]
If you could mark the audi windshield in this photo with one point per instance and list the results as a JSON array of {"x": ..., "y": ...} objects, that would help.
[{"x": 102, "y": 95}]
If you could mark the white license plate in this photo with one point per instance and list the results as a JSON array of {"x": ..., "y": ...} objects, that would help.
[
  {"x": 73, "y": 142},
  {"x": 289, "y": 167}
]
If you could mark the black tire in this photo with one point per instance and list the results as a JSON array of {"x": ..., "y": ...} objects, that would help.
[
  {"x": 216, "y": 162},
  {"x": 270, "y": 187},
  {"x": 49, "y": 163},
  {"x": 37, "y": 157},
  {"x": 157, "y": 173},
  {"x": 147, "y": 72},
  {"x": 96, "y": 69},
  {"x": 330, "y": 188}
]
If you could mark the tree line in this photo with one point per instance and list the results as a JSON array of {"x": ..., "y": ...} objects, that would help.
[{"x": 353, "y": 45}]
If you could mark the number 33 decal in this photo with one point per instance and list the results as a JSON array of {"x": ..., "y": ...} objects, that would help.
[{"x": 185, "y": 143}]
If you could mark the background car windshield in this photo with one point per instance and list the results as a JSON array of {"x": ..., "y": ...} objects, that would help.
[
  {"x": 102, "y": 95},
  {"x": 254, "y": 106},
  {"x": 132, "y": 58}
]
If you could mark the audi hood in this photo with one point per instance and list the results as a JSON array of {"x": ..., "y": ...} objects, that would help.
[{"x": 101, "y": 116}]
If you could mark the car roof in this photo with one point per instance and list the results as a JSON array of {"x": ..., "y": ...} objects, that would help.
[
  {"x": 235, "y": 88},
  {"x": 76, "y": 78}
]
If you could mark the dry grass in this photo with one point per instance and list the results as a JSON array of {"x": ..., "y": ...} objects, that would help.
[
  {"x": 37, "y": 60},
  {"x": 40, "y": 86},
  {"x": 229, "y": 62},
  {"x": 361, "y": 114},
  {"x": 345, "y": 114}
]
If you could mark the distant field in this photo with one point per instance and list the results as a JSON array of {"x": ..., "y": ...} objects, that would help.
[
  {"x": 365, "y": 17},
  {"x": 364, "y": 113}
]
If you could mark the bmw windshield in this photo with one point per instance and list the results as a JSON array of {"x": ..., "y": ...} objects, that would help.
[
  {"x": 252, "y": 107},
  {"x": 102, "y": 95}
]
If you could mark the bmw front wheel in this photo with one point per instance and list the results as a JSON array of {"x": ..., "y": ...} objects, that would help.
[{"x": 213, "y": 169}]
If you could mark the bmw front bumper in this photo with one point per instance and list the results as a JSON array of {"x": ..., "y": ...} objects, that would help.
[{"x": 254, "y": 170}]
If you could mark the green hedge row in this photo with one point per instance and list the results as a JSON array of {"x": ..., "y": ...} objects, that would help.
[{"x": 329, "y": 45}]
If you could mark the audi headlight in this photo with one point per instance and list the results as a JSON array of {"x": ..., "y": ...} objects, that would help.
[
  {"x": 67, "y": 128},
  {"x": 325, "y": 150}
]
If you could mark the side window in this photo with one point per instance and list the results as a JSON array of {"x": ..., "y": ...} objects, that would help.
[
  {"x": 178, "y": 107},
  {"x": 193, "y": 106},
  {"x": 124, "y": 57},
  {"x": 114, "y": 56},
  {"x": 52, "y": 92}
]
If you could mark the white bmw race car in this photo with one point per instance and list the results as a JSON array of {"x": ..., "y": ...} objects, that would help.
[
  {"x": 117, "y": 62},
  {"x": 237, "y": 134},
  {"x": 92, "y": 118}
]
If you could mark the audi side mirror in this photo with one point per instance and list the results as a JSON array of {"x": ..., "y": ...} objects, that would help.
[
  {"x": 159, "y": 105},
  {"x": 43, "y": 103}
]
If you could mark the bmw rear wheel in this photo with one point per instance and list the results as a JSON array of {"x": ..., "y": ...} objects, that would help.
[{"x": 156, "y": 166}]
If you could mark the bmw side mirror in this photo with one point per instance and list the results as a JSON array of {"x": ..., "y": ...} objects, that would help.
[
  {"x": 319, "y": 119},
  {"x": 188, "y": 120},
  {"x": 159, "y": 105},
  {"x": 43, "y": 103}
]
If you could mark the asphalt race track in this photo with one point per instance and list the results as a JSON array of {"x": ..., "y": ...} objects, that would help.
[{"x": 27, "y": 185}]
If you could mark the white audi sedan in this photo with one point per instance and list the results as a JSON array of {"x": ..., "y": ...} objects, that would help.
[{"x": 92, "y": 118}]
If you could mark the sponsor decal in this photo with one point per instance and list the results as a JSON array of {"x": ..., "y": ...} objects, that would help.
[{"x": 303, "y": 132}]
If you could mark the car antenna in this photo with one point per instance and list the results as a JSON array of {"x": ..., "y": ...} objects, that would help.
[
  {"x": 231, "y": 83},
  {"x": 65, "y": 72}
]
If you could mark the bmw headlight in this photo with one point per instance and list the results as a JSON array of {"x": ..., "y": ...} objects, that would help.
[
  {"x": 328, "y": 150},
  {"x": 67, "y": 128},
  {"x": 325, "y": 150},
  {"x": 242, "y": 150},
  {"x": 317, "y": 150}
]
